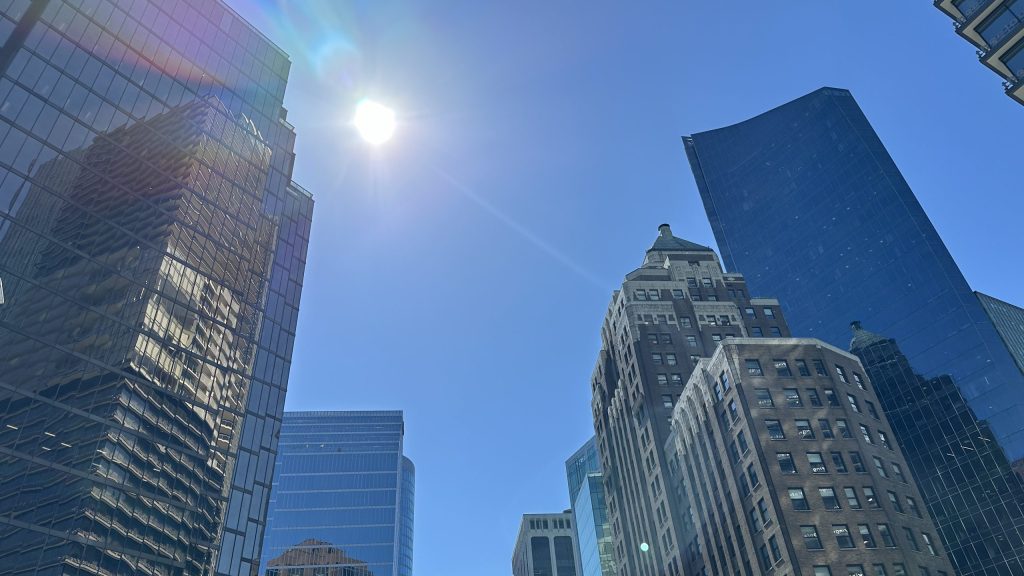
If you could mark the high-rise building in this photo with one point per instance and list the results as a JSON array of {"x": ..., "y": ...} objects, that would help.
[
  {"x": 790, "y": 467},
  {"x": 546, "y": 546},
  {"x": 996, "y": 29},
  {"x": 342, "y": 502},
  {"x": 673, "y": 310},
  {"x": 1009, "y": 323},
  {"x": 152, "y": 247},
  {"x": 590, "y": 512},
  {"x": 583, "y": 462},
  {"x": 973, "y": 495},
  {"x": 805, "y": 200}
]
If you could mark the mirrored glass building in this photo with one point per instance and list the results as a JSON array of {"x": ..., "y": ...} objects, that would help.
[
  {"x": 152, "y": 246},
  {"x": 342, "y": 503}
]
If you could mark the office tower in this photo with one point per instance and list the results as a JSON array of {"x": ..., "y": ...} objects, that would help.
[
  {"x": 669, "y": 313},
  {"x": 583, "y": 462},
  {"x": 152, "y": 248},
  {"x": 546, "y": 546},
  {"x": 790, "y": 465},
  {"x": 996, "y": 29},
  {"x": 973, "y": 495},
  {"x": 342, "y": 503},
  {"x": 1008, "y": 321},
  {"x": 590, "y": 512},
  {"x": 805, "y": 200}
]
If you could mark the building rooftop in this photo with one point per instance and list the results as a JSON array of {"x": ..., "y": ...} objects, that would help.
[{"x": 666, "y": 242}]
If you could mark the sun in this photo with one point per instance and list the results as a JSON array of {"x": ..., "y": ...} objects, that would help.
[{"x": 375, "y": 122}]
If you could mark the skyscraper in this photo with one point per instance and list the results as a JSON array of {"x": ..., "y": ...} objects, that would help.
[
  {"x": 590, "y": 512},
  {"x": 996, "y": 29},
  {"x": 583, "y": 462},
  {"x": 342, "y": 503},
  {"x": 673, "y": 310},
  {"x": 805, "y": 200},
  {"x": 546, "y": 546},
  {"x": 791, "y": 468},
  {"x": 1009, "y": 323},
  {"x": 152, "y": 247}
]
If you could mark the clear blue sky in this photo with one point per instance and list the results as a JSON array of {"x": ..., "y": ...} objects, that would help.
[{"x": 461, "y": 272}]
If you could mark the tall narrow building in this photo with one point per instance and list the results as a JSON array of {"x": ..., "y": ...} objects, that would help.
[
  {"x": 152, "y": 247},
  {"x": 342, "y": 503},
  {"x": 805, "y": 200},
  {"x": 791, "y": 467},
  {"x": 590, "y": 512},
  {"x": 996, "y": 30},
  {"x": 673, "y": 310}
]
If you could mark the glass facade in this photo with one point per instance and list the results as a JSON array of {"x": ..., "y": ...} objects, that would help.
[
  {"x": 584, "y": 461},
  {"x": 342, "y": 499},
  {"x": 597, "y": 547},
  {"x": 1009, "y": 322},
  {"x": 806, "y": 201},
  {"x": 152, "y": 247}
]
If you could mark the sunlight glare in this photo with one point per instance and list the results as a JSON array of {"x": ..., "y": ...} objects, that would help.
[{"x": 375, "y": 122}]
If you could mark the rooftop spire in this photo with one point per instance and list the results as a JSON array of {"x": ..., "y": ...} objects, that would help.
[{"x": 863, "y": 338}]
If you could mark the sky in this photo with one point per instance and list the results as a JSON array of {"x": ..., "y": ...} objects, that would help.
[{"x": 461, "y": 271}]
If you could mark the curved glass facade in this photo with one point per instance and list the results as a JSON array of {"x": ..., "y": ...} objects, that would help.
[{"x": 342, "y": 498}]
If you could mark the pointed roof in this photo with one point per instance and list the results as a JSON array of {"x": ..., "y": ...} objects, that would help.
[
  {"x": 666, "y": 242},
  {"x": 863, "y": 338}
]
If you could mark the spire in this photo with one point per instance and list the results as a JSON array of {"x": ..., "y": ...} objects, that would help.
[
  {"x": 666, "y": 242},
  {"x": 862, "y": 338}
]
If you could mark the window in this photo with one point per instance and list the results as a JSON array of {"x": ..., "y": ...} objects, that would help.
[
  {"x": 859, "y": 380},
  {"x": 752, "y": 474},
  {"x": 858, "y": 463},
  {"x": 663, "y": 379},
  {"x": 853, "y": 403},
  {"x": 828, "y": 498},
  {"x": 754, "y": 367},
  {"x": 866, "y": 537},
  {"x": 691, "y": 341},
  {"x": 733, "y": 413},
  {"x": 734, "y": 452},
  {"x": 928, "y": 543},
  {"x": 691, "y": 282},
  {"x": 677, "y": 293},
  {"x": 803, "y": 430},
  {"x": 718, "y": 391},
  {"x": 851, "y": 498},
  {"x": 1001, "y": 22},
  {"x": 775, "y": 331},
  {"x": 894, "y": 501},
  {"x": 666, "y": 400},
  {"x": 884, "y": 440},
  {"x": 796, "y": 496},
  {"x": 831, "y": 398},
  {"x": 749, "y": 312},
  {"x": 654, "y": 294},
  {"x": 686, "y": 322},
  {"x": 724, "y": 320},
  {"x": 826, "y": 428},
  {"x": 897, "y": 471},
  {"x": 640, "y": 294},
  {"x": 773, "y": 543},
  {"x": 865, "y": 432},
  {"x": 741, "y": 480},
  {"x": 909, "y": 535},
  {"x": 879, "y": 570},
  {"x": 762, "y": 509},
  {"x": 887, "y": 540},
  {"x": 869, "y": 495},
  {"x": 766, "y": 561},
  {"x": 769, "y": 313},
  {"x": 838, "y": 462},
  {"x": 741, "y": 438},
  {"x": 652, "y": 338},
  {"x": 816, "y": 463},
  {"x": 792, "y": 396},
  {"x": 842, "y": 374},
  {"x": 665, "y": 338},
  {"x": 819, "y": 368},
  {"x": 812, "y": 541},
  {"x": 822, "y": 570},
  {"x": 899, "y": 570},
  {"x": 694, "y": 359},
  {"x": 782, "y": 368},
  {"x": 764, "y": 397},
  {"x": 880, "y": 467},
  {"x": 812, "y": 395},
  {"x": 786, "y": 462},
  {"x": 711, "y": 320},
  {"x": 843, "y": 538},
  {"x": 706, "y": 282},
  {"x": 756, "y": 332},
  {"x": 855, "y": 570},
  {"x": 912, "y": 505},
  {"x": 774, "y": 428},
  {"x": 670, "y": 359},
  {"x": 1014, "y": 60},
  {"x": 755, "y": 525},
  {"x": 677, "y": 379},
  {"x": 656, "y": 358},
  {"x": 695, "y": 297},
  {"x": 801, "y": 367},
  {"x": 844, "y": 429},
  {"x": 716, "y": 337}
]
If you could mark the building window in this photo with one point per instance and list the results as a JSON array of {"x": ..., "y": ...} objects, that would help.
[
  {"x": 712, "y": 298},
  {"x": 775, "y": 331},
  {"x": 706, "y": 282},
  {"x": 869, "y": 495},
  {"x": 858, "y": 463},
  {"x": 691, "y": 341},
  {"x": 663, "y": 379},
  {"x": 762, "y": 509},
  {"x": 716, "y": 337},
  {"x": 677, "y": 378},
  {"x": 909, "y": 534},
  {"x": 764, "y": 398},
  {"x": 656, "y": 358},
  {"x": 879, "y": 570},
  {"x": 812, "y": 396},
  {"x": 769, "y": 313},
  {"x": 894, "y": 501},
  {"x": 653, "y": 294},
  {"x": 724, "y": 320},
  {"x": 766, "y": 560},
  {"x": 828, "y": 498},
  {"x": 812, "y": 541},
  {"x": 639, "y": 294},
  {"x": 859, "y": 380},
  {"x": 782, "y": 368},
  {"x": 774, "y": 428},
  {"x": 831, "y": 398},
  {"x": 822, "y": 570},
  {"x": 799, "y": 500},
  {"x": 691, "y": 282},
  {"x": 773, "y": 543},
  {"x": 665, "y": 338},
  {"x": 855, "y": 570},
  {"x": 817, "y": 463},
  {"x": 652, "y": 338},
  {"x": 851, "y": 498},
  {"x": 803, "y": 430},
  {"x": 899, "y": 570},
  {"x": 677, "y": 293},
  {"x": 853, "y": 403},
  {"x": 749, "y": 312},
  {"x": 880, "y": 467},
  {"x": 826, "y": 428},
  {"x": 838, "y": 462},
  {"x": 733, "y": 413},
  {"x": 666, "y": 400},
  {"x": 844, "y": 428},
  {"x": 786, "y": 462},
  {"x": 801, "y": 368},
  {"x": 752, "y": 474},
  {"x": 843, "y": 538},
  {"x": 756, "y": 332},
  {"x": 819, "y": 368},
  {"x": 792, "y": 396},
  {"x": 694, "y": 359},
  {"x": 723, "y": 377},
  {"x": 884, "y": 440},
  {"x": 912, "y": 505},
  {"x": 897, "y": 471},
  {"x": 928, "y": 543},
  {"x": 686, "y": 321},
  {"x": 670, "y": 359},
  {"x": 1001, "y": 22},
  {"x": 865, "y": 432},
  {"x": 842, "y": 374},
  {"x": 754, "y": 367},
  {"x": 742, "y": 439},
  {"x": 887, "y": 540}
]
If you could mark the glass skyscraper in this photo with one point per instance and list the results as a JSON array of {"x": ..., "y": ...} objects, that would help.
[
  {"x": 806, "y": 201},
  {"x": 342, "y": 503},
  {"x": 584, "y": 461},
  {"x": 1009, "y": 322},
  {"x": 152, "y": 247},
  {"x": 593, "y": 533}
]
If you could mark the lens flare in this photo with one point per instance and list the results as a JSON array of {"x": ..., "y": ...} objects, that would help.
[{"x": 375, "y": 122}]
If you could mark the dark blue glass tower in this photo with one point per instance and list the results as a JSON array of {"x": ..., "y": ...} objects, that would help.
[
  {"x": 805, "y": 200},
  {"x": 342, "y": 502}
]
